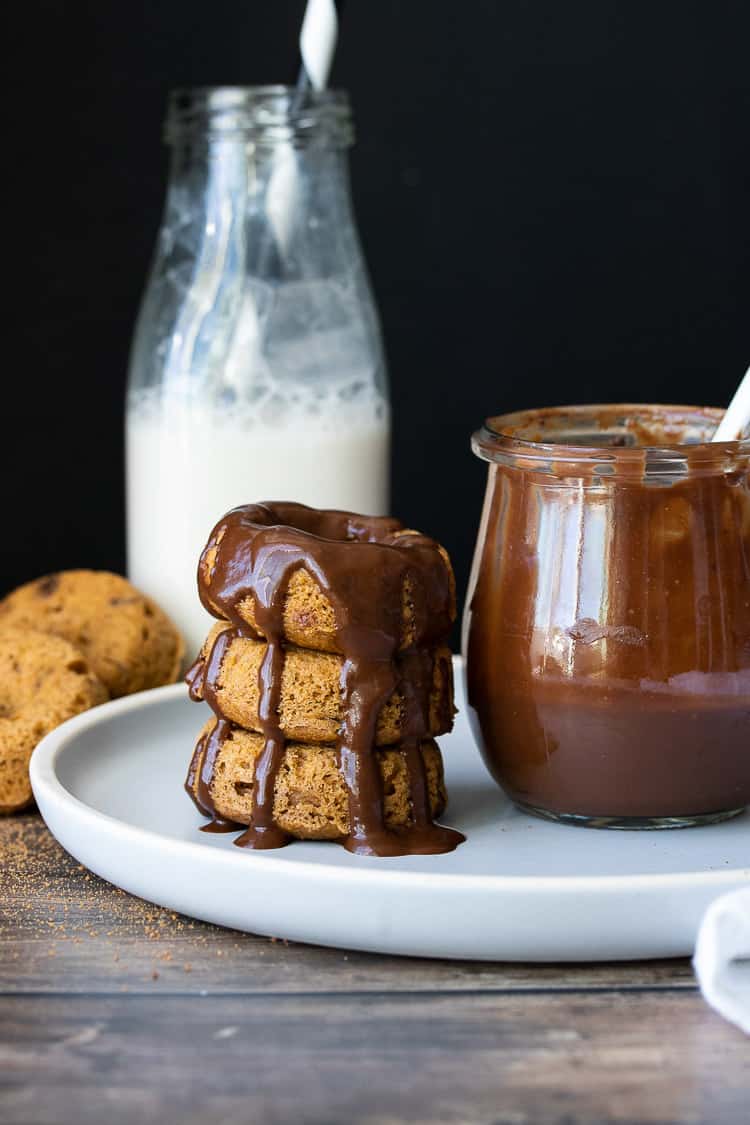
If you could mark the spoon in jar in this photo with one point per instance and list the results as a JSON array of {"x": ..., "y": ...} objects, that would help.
[{"x": 737, "y": 416}]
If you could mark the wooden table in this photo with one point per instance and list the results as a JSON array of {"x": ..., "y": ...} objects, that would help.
[{"x": 113, "y": 1010}]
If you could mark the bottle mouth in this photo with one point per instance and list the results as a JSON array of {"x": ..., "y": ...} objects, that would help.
[
  {"x": 262, "y": 114},
  {"x": 609, "y": 439}
]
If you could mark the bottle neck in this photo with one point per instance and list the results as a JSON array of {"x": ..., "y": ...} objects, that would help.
[
  {"x": 260, "y": 115},
  {"x": 286, "y": 212}
]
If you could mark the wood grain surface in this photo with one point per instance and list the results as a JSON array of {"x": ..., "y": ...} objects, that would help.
[{"x": 115, "y": 1010}]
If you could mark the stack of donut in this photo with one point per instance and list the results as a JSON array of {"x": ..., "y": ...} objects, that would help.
[{"x": 329, "y": 676}]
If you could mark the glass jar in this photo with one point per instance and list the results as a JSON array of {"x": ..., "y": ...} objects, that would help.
[
  {"x": 257, "y": 369},
  {"x": 607, "y": 629}
]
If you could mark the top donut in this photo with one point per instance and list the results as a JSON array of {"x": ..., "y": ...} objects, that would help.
[{"x": 322, "y": 578}]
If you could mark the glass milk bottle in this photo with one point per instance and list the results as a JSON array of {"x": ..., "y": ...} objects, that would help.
[{"x": 257, "y": 369}]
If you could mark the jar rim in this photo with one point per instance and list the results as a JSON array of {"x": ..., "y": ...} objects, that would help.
[
  {"x": 530, "y": 435},
  {"x": 268, "y": 114}
]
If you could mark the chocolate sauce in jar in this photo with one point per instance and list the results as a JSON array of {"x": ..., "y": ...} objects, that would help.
[
  {"x": 361, "y": 565},
  {"x": 607, "y": 628}
]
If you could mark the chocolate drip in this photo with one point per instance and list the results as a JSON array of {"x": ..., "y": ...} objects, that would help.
[
  {"x": 366, "y": 684},
  {"x": 263, "y": 831},
  {"x": 415, "y": 685},
  {"x": 194, "y": 679},
  {"x": 202, "y": 679},
  {"x": 363, "y": 566},
  {"x": 201, "y": 772}
]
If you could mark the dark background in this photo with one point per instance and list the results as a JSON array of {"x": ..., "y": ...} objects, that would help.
[{"x": 552, "y": 198}]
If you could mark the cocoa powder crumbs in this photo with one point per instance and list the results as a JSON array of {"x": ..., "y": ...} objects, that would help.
[{"x": 44, "y": 891}]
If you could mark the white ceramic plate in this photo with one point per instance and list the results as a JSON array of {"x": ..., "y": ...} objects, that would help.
[{"x": 109, "y": 785}]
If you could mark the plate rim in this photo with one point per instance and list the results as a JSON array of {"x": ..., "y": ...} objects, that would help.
[{"x": 49, "y": 791}]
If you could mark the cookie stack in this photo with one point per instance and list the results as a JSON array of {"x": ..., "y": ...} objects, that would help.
[
  {"x": 309, "y": 703},
  {"x": 70, "y": 641}
]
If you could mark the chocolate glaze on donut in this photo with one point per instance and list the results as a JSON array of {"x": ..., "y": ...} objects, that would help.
[{"x": 361, "y": 565}]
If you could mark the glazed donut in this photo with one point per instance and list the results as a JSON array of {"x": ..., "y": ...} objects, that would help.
[
  {"x": 319, "y": 574},
  {"x": 310, "y": 797},
  {"x": 310, "y": 707}
]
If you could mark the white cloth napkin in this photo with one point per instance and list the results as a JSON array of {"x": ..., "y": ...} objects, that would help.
[{"x": 722, "y": 957}]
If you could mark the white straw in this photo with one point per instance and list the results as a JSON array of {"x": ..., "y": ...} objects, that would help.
[
  {"x": 317, "y": 43},
  {"x": 317, "y": 40},
  {"x": 737, "y": 417}
]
